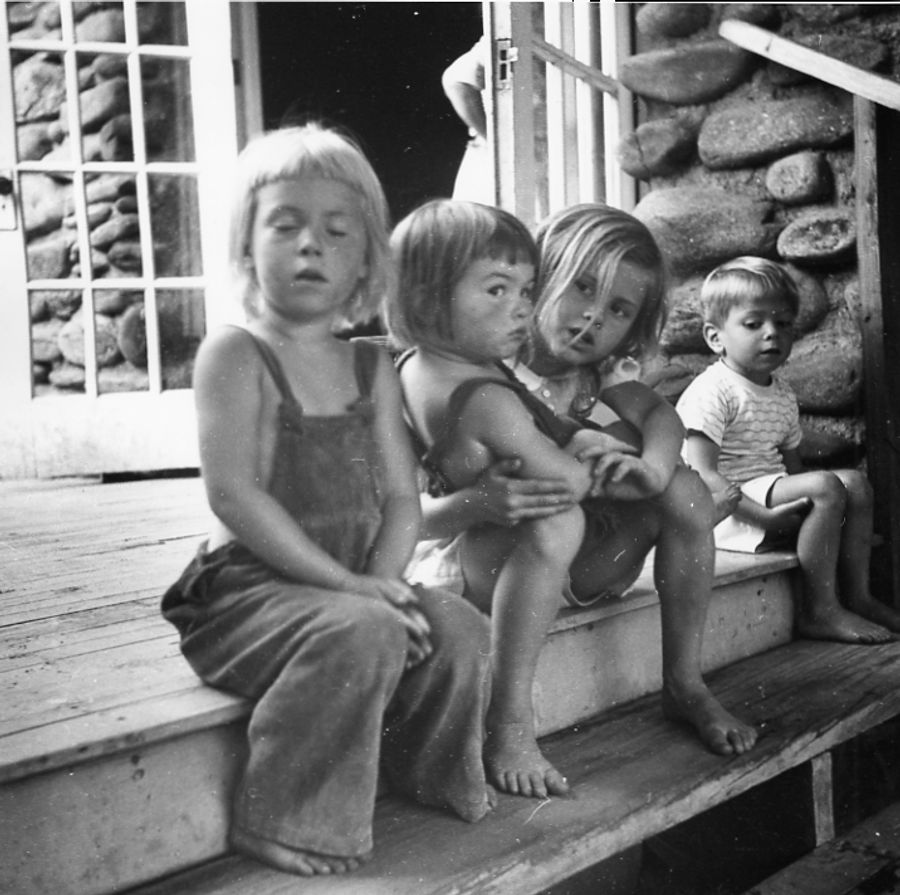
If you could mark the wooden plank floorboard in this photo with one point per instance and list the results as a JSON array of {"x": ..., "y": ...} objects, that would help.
[
  {"x": 87, "y": 660},
  {"x": 88, "y": 663},
  {"x": 55, "y": 649},
  {"x": 138, "y": 721},
  {"x": 131, "y": 607},
  {"x": 634, "y": 775},
  {"x": 72, "y": 602},
  {"x": 867, "y": 852},
  {"x": 91, "y": 682}
]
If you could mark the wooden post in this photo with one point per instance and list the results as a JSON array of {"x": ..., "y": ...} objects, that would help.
[
  {"x": 877, "y": 131},
  {"x": 822, "y": 798}
]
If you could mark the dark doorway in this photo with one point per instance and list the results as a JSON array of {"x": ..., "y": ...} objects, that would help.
[{"x": 375, "y": 69}]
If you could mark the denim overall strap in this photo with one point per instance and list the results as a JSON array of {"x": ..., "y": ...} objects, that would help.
[{"x": 275, "y": 370}]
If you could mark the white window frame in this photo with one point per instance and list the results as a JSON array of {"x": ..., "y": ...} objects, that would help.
[{"x": 587, "y": 110}]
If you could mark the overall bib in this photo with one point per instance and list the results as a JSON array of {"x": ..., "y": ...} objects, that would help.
[{"x": 334, "y": 703}]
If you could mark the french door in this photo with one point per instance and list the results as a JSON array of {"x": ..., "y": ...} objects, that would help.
[
  {"x": 117, "y": 136},
  {"x": 555, "y": 110}
]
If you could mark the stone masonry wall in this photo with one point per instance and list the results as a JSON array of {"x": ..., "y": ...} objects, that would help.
[{"x": 739, "y": 156}]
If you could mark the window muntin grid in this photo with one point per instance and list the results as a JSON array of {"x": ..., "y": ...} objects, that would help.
[{"x": 107, "y": 186}]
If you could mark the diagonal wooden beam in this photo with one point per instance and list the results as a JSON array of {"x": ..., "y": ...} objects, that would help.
[
  {"x": 813, "y": 63},
  {"x": 569, "y": 64}
]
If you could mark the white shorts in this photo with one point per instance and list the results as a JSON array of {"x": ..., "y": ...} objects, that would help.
[
  {"x": 438, "y": 563},
  {"x": 740, "y": 535}
]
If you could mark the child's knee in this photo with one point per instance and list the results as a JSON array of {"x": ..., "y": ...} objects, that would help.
[
  {"x": 859, "y": 489},
  {"x": 455, "y": 620},
  {"x": 369, "y": 627},
  {"x": 827, "y": 490},
  {"x": 557, "y": 535},
  {"x": 688, "y": 502}
]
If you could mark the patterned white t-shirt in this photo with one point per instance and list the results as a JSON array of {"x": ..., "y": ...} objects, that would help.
[{"x": 750, "y": 423}]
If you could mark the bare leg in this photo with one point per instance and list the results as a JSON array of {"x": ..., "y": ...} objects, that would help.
[
  {"x": 521, "y": 571},
  {"x": 680, "y": 525},
  {"x": 820, "y": 615},
  {"x": 855, "y": 553},
  {"x": 683, "y": 570},
  {"x": 292, "y": 860}
]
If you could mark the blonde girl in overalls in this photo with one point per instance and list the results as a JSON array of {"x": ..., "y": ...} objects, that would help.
[{"x": 297, "y": 600}]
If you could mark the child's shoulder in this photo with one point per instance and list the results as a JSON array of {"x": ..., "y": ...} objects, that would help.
[
  {"x": 229, "y": 336},
  {"x": 228, "y": 343},
  {"x": 711, "y": 378},
  {"x": 496, "y": 400},
  {"x": 709, "y": 388}
]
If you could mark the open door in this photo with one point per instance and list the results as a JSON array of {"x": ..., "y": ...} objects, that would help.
[
  {"x": 552, "y": 96},
  {"x": 117, "y": 135}
]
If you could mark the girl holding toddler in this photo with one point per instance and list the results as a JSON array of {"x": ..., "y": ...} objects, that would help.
[{"x": 468, "y": 277}]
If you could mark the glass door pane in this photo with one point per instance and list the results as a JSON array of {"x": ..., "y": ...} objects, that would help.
[
  {"x": 105, "y": 141},
  {"x": 115, "y": 211}
]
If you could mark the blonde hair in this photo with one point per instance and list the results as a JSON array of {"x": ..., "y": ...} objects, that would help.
[
  {"x": 434, "y": 246},
  {"x": 595, "y": 238},
  {"x": 319, "y": 152},
  {"x": 745, "y": 279}
]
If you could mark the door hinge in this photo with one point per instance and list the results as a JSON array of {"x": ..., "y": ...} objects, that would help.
[{"x": 506, "y": 55}]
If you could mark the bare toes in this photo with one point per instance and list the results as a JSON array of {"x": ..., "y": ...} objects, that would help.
[
  {"x": 742, "y": 740},
  {"x": 557, "y": 785},
  {"x": 533, "y": 785},
  {"x": 718, "y": 741},
  {"x": 515, "y": 764},
  {"x": 507, "y": 781}
]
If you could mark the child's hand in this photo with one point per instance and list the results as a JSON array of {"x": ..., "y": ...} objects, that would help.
[
  {"x": 626, "y": 477},
  {"x": 726, "y": 500},
  {"x": 787, "y": 518},
  {"x": 589, "y": 444},
  {"x": 507, "y": 500},
  {"x": 419, "y": 647},
  {"x": 403, "y": 598}
]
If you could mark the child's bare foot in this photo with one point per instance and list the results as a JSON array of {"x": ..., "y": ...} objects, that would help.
[
  {"x": 515, "y": 764},
  {"x": 290, "y": 860},
  {"x": 843, "y": 626},
  {"x": 876, "y": 611},
  {"x": 474, "y": 811},
  {"x": 717, "y": 728}
]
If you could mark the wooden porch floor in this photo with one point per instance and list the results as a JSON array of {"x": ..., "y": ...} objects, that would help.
[
  {"x": 86, "y": 661},
  {"x": 89, "y": 669},
  {"x": 82, "y": 643}
]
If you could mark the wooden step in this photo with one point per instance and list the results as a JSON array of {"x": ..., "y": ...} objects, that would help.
[
  {"x": 106, "y": 722},
  {"x": 610, "y": 653},
  {"x": 864, "y": 861},
  {"x": 634, "y": 775}
]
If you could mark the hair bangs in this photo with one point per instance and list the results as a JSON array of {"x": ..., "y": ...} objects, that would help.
[
  {"x": 433, "y": 247},
  {"x": 311, "y": 151},
  {"x": 596, "y": 239},
  {"x": 743, "y": 280}
]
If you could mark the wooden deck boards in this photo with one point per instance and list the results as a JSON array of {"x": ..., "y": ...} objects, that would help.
[
  {"x": 633, "y": 775},
  {"x": 89, "y": 668},
  {"x": 864, "y": 861},
  {"x": 85, "y": 658}
]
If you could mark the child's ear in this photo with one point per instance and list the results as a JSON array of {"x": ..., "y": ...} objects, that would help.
[{"x": 711, "y": 336}]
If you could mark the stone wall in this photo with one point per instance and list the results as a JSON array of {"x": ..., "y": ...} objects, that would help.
[{"x": 738, "y": 155}]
